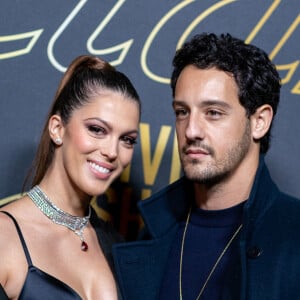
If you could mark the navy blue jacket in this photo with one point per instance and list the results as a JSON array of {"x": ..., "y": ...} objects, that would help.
[{"x": 269, "y": 244}]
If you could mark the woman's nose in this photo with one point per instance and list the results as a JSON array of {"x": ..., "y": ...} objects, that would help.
[{"x": 109, "y": 149}]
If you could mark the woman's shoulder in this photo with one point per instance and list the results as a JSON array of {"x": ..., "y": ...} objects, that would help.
[
  {"x": 9, "y": 216},
  {"x": 6, "y": 225},
  {"x": 12, "y": 256},
  {"x": 14, "y": 206}
]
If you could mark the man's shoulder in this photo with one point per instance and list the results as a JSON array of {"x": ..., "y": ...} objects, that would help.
[
  {"x": 289, "y": 202},
  {"x": 285, "y": 212}
]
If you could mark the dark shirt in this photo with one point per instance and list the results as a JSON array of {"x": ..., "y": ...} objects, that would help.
[{"x": 207, "y": 234}]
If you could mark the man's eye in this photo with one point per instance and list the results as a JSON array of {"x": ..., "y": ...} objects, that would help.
[
  {"x": 214, "y": 113},
  {"x": 180, "y": 112},
  {"x": 128, "y": 140}
]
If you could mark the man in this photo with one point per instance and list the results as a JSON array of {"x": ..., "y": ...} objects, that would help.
[{"x": 224, "y": 230}]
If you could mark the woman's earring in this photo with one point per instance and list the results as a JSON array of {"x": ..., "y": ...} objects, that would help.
[{"x": 58, "y": 141}]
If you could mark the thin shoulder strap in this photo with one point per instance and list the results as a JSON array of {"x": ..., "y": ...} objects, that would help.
[{"x": 21, "y": 237}]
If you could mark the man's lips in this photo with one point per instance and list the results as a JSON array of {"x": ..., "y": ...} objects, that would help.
[{"x": 195, "y": 151}]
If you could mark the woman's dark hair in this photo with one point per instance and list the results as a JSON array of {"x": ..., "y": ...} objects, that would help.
[
  {"x": 85, "y": 78},
  {"x": 256, "y": 76}
]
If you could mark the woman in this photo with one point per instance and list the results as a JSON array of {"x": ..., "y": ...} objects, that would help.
[{"x": 52, "y": 244}]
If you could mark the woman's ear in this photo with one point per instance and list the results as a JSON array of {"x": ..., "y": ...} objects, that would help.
[
  {"x": 56, "y": 129},
  {"x": 261, "y": 121}
]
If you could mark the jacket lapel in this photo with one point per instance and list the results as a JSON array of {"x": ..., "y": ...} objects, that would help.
[{"x": 141, "y": 264}]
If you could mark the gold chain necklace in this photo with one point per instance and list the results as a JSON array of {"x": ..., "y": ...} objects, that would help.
[{"x": 214, "y": 266}]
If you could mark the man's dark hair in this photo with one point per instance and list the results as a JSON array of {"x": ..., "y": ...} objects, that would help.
[{"x": 256, "y": 76}]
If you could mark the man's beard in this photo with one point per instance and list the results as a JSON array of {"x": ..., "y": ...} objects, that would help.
[{"x": 216, "y": 170}]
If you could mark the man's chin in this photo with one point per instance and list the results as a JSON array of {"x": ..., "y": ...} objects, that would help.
[
  {"x": 192, "y": 174},
  {"x": 204, "y": 177}
]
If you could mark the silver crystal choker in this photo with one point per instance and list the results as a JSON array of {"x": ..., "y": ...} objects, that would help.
[{"x": 58, "y": 216}]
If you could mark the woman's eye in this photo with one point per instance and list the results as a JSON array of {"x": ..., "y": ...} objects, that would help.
[
  {"x": 96, "y": 129},
  {"x": 128, "y": 140}
]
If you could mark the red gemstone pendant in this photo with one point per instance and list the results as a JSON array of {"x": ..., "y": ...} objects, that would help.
[{"x": 84, "y": 246}]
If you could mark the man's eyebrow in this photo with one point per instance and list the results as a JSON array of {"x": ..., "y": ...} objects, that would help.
[
  {"x": 178, "y": 102},
  {"x": 219, "y": 103},
  {"x": 205, "y": 103}
]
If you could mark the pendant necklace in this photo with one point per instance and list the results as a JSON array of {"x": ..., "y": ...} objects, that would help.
[
  {"x": 58, "y": 216},
  {"x": 215, "y": 264}
]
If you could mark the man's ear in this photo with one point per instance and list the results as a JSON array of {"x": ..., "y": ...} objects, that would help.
[
  {"x": 56, "y": 129},
  {"x": 261, "y": 121}
]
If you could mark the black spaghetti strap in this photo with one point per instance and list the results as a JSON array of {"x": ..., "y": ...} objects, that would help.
[
  {"x": 3, "y": 295},
  {"x": 21, "y": 238}
]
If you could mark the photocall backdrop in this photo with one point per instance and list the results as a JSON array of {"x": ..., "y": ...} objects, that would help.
[{"x": 38, "y": 40}]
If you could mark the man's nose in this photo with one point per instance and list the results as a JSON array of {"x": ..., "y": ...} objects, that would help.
[{"x": 195, "y": 127}]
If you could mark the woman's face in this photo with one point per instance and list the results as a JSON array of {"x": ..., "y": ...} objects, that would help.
[{"x": 98, "y": 142}]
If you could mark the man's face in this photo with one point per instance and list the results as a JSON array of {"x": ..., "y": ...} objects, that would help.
[{"x": 214, "y": 134}]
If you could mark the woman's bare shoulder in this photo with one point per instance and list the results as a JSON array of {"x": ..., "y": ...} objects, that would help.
[
  {"x": 12, "y": 255},
  {"x": 8, "y": 232}
]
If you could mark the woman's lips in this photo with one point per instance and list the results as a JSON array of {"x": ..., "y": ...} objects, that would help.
[{"x": 101, "y": 170}]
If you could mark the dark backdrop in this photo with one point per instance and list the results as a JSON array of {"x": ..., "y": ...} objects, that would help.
[{"x": 38, "y": 39}]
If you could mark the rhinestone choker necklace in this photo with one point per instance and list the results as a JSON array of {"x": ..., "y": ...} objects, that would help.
[{"x": 58, "y": 216}]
